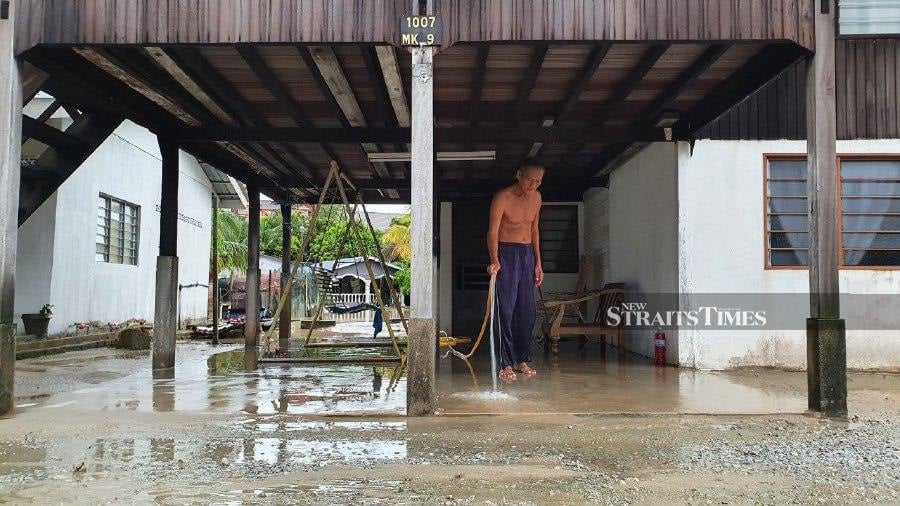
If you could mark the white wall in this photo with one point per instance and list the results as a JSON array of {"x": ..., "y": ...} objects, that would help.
[
  {"x": 722, "y": 250},
  {"x": 643, "y": 230},
  {"x": 127, "y": 167}
]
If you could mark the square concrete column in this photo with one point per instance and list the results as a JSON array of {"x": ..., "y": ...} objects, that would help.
[
  {"x": 251, "y": 328},
  {"x": 420, "y": 388},
  {"x": 165, "y": 315},
  {"x": 825, "y": 333},
  {"x": 10, "y": 164},
  {"x": 284, "y": 323}
]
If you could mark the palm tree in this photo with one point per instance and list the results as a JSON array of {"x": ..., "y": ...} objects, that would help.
[
  {"x": 397, "y": 238},
  {"x": 233, "y": 233}
]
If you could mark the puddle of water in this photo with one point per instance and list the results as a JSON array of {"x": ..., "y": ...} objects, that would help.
[
  {"x": 589, "y": 381},
  {"x": 226, "y": 379},
  {"x": 487, "y": 395}
]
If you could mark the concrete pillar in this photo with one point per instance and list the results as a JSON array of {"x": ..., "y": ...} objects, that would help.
[
  {"x": 10, "y": 164},
  {"x": 284, "y": 324},
  {"x": 215, "y": 268},
  {"x": 825, "y": 330},
  {"x": 251, "y": 328},
  {"x": 367, "y": 290},
  {"x": 165, "y": 315},
  {"x": 420, "y": 389}
]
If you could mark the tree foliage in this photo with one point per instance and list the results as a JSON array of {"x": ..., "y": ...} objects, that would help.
[
  {"x": 397, "y": 238},
  {"x": 232, "y": 242},
  {"x": 331, "y": 225},
  {"x": 403, "y": 277}
]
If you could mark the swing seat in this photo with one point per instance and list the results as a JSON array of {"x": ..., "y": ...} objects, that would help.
[{"x": 358, "y": 308}]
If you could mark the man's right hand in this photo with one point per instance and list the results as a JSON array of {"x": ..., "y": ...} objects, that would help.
[{"x": 493, "y": 268}]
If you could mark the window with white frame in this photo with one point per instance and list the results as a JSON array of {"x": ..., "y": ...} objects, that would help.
[
  {"x": 118, "y": 226},
  {"x": 869, "y": 222}
]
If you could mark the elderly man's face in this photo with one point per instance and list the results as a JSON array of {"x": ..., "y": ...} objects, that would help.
[{"x": 531, "y": 178}]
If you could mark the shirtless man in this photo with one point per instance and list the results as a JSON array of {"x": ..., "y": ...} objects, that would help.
[{"x": 514, "y": 245}]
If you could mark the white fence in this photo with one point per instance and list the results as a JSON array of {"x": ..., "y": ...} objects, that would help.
[{"x": 352, "y": 299}]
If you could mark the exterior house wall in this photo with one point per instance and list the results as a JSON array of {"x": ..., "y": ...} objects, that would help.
[
  {"x": 722, "y": 243},
  {"x": 643, "y": 231},
  {"x": 59, "y": 240}
]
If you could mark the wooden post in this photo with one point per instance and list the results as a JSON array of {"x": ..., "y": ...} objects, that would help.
[
  {"x": 420, "y": 397},
  {"x": 215, "y": 269},
  {"x": 825, "y": 330},
  {"x": 251, "y": 328},
  {"x": 284, "y": 324},
  {"x": 10, "y": 163},
  {"x": 165, "y": 319}
]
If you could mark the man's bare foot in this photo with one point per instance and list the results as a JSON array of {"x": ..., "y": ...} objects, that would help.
[
  {"x": 526, "y": 370},
  {"x": 507, "y": 374}
]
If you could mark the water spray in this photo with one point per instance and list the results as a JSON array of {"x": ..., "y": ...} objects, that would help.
[{"x": 493, "y": 298}]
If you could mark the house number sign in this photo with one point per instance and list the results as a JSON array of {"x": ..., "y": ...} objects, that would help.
[{"x": 420, "y": 31}]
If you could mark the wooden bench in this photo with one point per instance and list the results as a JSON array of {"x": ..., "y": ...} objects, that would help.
[{"x": 567, "y": 320}]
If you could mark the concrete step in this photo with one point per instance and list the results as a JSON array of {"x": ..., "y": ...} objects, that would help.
[{"x": 30, "y": 347}]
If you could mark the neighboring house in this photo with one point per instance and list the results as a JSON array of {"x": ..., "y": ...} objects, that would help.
[
  {"x": 90, "y": 249},
  {"x": 349, "y": 275}
]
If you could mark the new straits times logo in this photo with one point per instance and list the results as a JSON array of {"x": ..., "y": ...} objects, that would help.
[{"x": 636, "y": 314}]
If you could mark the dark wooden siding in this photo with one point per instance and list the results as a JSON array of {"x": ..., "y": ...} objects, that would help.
[
  {"x": 205, "y": 21},
  {"x": 495, "y": 20},
  {"x": 867, "y": 75},
  {"x": 286, "y": 21}
]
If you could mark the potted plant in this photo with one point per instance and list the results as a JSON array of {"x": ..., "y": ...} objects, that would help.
[{"x": 36, "y": 324}]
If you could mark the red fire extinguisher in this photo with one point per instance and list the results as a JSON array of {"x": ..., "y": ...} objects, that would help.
[{"x": 659, "y": 345}]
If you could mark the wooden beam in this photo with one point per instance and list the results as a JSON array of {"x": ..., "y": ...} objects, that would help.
[
  {"x": 77, "y": 81},
  {"x": 165, "y": 321},
  {"x": 826, "y": 330},
  {"x": 32, "y": 79},
  {"x": 252, "y": 302},
  {"x": 284, "y": 322},
  {"x": 619, "y": 96},
  {"x": 384, "y": 99},
  {"x": 390, "y": 70},
  {"x": 284, "y": 99},
  {"x": 481, "y": 57},
  {"x": 44, "y": 116},
  {"x": 104, "y": 62},
  {"x": 54, "y": 137},
  {"x": 89, "y": 131},
  {"x": 330, "y": 69},
  {"x": 212, "y": 86},
  {"x": 615, "y": 154},
  {"x": 168, "y": 64},
  {"x": 271, "y": 83},
  {"x": 577, "y": 86},
  {"x": 548, "y": 132},
  {"x": 527, "y": 85}
]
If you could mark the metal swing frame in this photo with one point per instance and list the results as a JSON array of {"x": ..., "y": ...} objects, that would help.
[{"x": 336, "y": 178}]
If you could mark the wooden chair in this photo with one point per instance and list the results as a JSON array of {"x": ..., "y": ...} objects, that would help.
[{"x": 610, "y": 296}]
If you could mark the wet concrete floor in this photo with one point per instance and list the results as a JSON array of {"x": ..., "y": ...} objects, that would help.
[
  {"x": 95, "y": 427},
  {"x": 590, "y": 380},
  {"x": 206, "y": 379}
]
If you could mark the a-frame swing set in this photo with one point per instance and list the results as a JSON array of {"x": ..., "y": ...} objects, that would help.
[{"x": 352, "y": 234}]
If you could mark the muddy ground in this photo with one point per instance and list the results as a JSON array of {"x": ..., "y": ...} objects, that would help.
[{"x": 94, "y": 427}]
